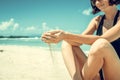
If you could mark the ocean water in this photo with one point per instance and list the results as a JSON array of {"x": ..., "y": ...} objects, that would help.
[{"x": 33, "y": 41}]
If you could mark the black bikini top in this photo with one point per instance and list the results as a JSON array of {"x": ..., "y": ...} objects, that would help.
[{"x": 99, "y": 30}]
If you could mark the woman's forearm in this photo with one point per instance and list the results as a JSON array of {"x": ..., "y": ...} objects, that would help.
[
  {"x": 73, "y": 43},
  {"x": 82, "y": 39}
]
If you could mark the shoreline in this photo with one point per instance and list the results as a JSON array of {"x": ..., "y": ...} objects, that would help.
[{"x": 31, "y": 63}]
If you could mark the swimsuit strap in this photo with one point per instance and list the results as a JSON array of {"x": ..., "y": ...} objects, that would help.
[
  {"x": 99, "y": 32},
  {"x": 116, "y": 17}
]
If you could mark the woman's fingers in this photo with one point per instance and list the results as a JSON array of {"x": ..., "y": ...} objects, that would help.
[
  {"x": 49, "y": 36},
  {"x": 52, "y": 36},
  {"x": 54, "y": 32},
  {"x": 49, "y": 40}
]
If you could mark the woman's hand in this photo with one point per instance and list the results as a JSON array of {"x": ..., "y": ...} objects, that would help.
[{"x": 53, "y": 36}]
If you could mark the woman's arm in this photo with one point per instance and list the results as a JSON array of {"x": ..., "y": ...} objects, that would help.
[
  {"x": 110, "y": 35},
  {"x": 84, "y": 39},
  {"x": 89, "y": 31}
]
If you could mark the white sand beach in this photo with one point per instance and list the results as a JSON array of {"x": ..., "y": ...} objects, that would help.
[{"x": 31, "y": 63}]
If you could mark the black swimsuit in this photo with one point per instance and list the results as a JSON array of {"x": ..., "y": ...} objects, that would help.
[{"x": 116, "y": 43}]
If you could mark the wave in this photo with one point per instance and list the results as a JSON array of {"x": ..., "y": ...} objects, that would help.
[{"x": 30, "y": 38}]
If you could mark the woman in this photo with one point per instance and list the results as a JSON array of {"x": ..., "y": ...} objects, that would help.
[{"x": 104, "y": 53}]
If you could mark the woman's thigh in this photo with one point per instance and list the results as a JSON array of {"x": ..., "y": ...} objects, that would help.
[
  {"x": 111, "y": 67},
  {"x": 71, "y": 60}
]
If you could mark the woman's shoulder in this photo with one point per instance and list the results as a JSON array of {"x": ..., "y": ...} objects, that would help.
[{"x": 97, "y": 20}]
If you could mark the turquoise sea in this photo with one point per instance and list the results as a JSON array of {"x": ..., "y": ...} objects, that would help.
[{"x": 32, "y": 41}]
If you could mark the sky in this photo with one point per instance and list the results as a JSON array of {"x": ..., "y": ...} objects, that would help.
[{"x": 34, "y": 17}]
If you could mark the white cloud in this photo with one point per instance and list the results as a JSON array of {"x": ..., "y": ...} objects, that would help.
[
  {"x": 87, "y": 12},
  {"x": 45, "y": 27},
  {"x": 16, "y": 25},
  {"x": 32, "y": 28},
  {"x": 5, "y": 25}
]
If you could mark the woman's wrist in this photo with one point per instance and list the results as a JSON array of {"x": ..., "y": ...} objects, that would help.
[{"x": 64, "y": 35}]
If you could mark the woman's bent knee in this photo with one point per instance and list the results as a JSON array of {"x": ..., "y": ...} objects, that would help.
[
  {"x": 99, "y": 46},
  {"x": 65, "y": 44}
]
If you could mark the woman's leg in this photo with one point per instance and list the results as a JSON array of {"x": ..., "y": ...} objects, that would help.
[
  {"x": 74, "y": 59},
  {"x": 102, "y": 55},
  {"x": 82, "y": 58}
]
